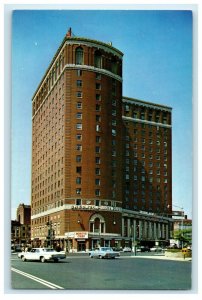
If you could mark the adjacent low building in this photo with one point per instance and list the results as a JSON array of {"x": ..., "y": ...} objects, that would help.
[{"x": 21, "y": 227}]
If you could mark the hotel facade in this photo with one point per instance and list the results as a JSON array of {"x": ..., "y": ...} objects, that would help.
[{"x": 101, "y": 162}]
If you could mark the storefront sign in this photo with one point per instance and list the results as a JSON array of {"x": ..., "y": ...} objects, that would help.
[
  {"x": 77, "y": 234},
  {"x": 93, "y": 207}
]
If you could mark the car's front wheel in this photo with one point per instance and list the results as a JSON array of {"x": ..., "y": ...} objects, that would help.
[
  {"x": 23, "y": 258},
  {"x": 42, "y": 259}
]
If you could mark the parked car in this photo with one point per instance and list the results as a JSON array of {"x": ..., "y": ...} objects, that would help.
[
  {"x": 127, "y": 249},
  {"x": 42, "y": 254},
  {"x": 156, "y": 249},
  {"x": 143, "y": 249},
  {"x": 104, "y": 252},
  {"x": 118, "y": 249}
]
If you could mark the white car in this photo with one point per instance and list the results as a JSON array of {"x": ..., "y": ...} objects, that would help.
[
  {"x": 42, "y": 254},
  {"x": 156, "y": 249},
  {"x": 127, "y": 249},
  {"x": 104, "y": 252}
]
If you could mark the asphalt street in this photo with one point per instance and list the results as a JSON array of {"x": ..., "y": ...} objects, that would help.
[{"x": 79, "y": 272}]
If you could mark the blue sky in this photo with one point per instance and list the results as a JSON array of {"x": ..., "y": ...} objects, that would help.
[{"x": 157, "y": 67}]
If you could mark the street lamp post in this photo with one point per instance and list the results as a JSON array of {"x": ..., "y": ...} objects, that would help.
[
  {"x": 133, "y": 239},
  {"x": 50, "y": 232}
]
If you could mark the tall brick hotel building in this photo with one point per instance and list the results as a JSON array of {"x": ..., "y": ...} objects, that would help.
[{"x": 101, "y": 162}]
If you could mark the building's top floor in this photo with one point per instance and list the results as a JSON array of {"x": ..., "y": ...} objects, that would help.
[
  {"x": 145, "y": 104},
  {"x": 78, "y": 51},
  {"x": 146, "y": 112}
]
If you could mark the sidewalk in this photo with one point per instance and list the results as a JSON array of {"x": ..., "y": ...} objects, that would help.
[{"x": 161, "y": 256}]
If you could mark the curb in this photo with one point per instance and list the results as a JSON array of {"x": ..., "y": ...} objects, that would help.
[{"x": 164, "y": 258}]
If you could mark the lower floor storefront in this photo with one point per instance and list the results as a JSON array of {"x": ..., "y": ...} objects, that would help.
[{"x": 136, "y": 229}]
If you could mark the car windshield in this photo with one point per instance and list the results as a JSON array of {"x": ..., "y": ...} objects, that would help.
[{"x": 106, "y": 249}]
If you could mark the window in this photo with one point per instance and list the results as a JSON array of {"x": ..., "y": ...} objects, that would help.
[
  {"x": 97, "y": 149},
  {"x": 98, "y": 59},
  {"x": 142, "y": 116},
  {"x": 97, "y": 181},
  {"x": 98, "y": 139},
  {"x": 79, "y": 83},
  {"x": 98, "y": 86},
  {"x": 79, "y": 56},
  {"x": 114, "y": 102},
  {"x": 78, "y": 201},
  {"x": 113, "y": 153},
  {"x": 79, "y": 137},
  {"x": 97, "y": 171},
  {"x": 79, "y": 147},
  {"x": 79, "y": 115},
  {"x": 78, "y": 180},
  {"x": 113, "y": 122},
  {"x": 114, "y": 132},
  {"x": 79, "y": 105},
  {"x": 113, "y": 112},
  {"x": 97, "y": 193},
  {"x": 97, "y": 128},
  {"x": 97, "y": 160},
  {"x": 78, "y": 192},
  {"x": 79, "y": 94},
  {"x": 78, "y": 170},
  {"x": 98, "y": 97},
  {"x": 98, "y": 76},
  {"x": 114, "y": 65},
  {"x": 79, "y": 72},
  {"x": 78, "y": 158},
  {"x": 98, "y": 118},
  {"x": 98, "y": 107},
  {"x": 78, "y": 126}
]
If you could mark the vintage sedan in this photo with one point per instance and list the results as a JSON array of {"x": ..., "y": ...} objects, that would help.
[
  {"x": 42, "y": 254},
  {"x": 103, "y": 252},
  {"x": 156, "y": 249}
]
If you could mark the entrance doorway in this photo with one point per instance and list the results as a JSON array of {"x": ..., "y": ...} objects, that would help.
[{"x": 81, "y": 246}]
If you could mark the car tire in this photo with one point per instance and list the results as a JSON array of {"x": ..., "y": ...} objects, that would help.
[
  {"x": 100, "y": 256},
  {"x": 42, "y": 259},
  {"x": 56, "y": 260},
  {"x": 23, "y": 258}
]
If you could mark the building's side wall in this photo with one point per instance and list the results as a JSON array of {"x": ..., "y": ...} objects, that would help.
[{"x": 148, "y": 157}]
